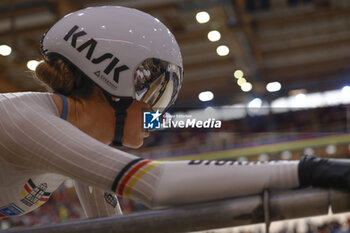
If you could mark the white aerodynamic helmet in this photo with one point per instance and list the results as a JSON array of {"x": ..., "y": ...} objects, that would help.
[
  {"x": 129, "y": 54},
  {"x": 126, "y": 52}
]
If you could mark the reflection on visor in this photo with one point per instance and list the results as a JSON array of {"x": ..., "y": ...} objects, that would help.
[{"x": 157, "y": 83}]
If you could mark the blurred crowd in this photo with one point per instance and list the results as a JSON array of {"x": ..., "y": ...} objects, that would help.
[
  {"x": 321, "y": 224},
  {"x": 247, "y": 131},
  {"x": 327, "y": 227},
  {"x": 63, "y": 206}
]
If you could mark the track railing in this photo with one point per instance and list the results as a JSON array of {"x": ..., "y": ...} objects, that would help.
[{"x": 210, "y": 215}]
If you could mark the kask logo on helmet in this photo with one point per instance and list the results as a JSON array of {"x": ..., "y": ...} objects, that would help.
[{"x": 91, "y": 45}]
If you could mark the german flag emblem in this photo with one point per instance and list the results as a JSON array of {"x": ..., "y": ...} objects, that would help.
[
  {"x": 131, "y": 174},
  {"x": 34, "y": 195}
]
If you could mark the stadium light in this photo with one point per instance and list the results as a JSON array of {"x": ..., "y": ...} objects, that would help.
[
  {"x": 273, "y": 86},
  {"x": 202, "y": 17},
  {"x": 222, "y": 50},
  {"x": 214, "y": 35},
  {"x": 246, "y": 87},
  {"x": 5, "y": 50},
  {"x": 241, "y": 81},
  {"x": 238, "y": 74},
  {"x": 32, "y": 64},
  {"x": 206, "y": 96}
]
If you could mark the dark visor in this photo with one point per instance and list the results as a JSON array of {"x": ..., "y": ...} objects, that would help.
[{"x": 157, "y": 83}]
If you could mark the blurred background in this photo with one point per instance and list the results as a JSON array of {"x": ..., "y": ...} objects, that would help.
[{"x": 276, "y": 72}]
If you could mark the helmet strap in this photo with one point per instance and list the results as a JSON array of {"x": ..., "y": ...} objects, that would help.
[{"x": 120, "y": 108}]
